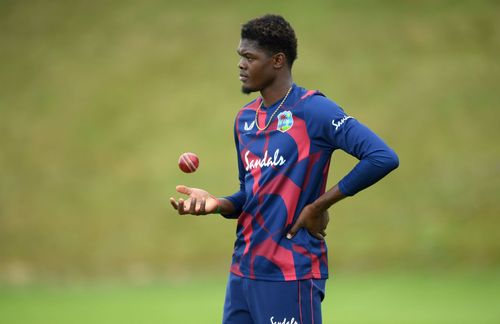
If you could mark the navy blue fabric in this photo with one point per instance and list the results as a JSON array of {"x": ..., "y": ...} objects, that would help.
[
  {"x": 284, "y": 168},
  {"x": 333, "y": 129},
  {"x": 251, "y": 301}
]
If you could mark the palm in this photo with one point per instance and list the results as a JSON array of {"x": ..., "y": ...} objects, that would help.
[
  {"x": 198, "y": 195},
  {"x": 199, "y": 201}
]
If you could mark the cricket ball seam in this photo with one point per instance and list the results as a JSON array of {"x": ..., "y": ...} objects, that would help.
[{"x": 189, "y": 163}]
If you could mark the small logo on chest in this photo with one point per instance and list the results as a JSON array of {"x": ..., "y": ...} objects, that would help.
[
  {"x": 249, "y": 127},
  {"x": 285, "y": 121}
]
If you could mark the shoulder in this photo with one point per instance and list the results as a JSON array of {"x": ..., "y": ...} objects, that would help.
[
  {"x": 248, "y": 108},
  {"x": 252, "y": 105},
  {"x": 318, "y": 106}
]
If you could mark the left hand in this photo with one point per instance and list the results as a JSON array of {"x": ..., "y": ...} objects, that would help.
[{"x": 313, "y": 219}]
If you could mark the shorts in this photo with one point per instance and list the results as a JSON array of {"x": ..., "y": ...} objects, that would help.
[{"x": 250, "y": 301}]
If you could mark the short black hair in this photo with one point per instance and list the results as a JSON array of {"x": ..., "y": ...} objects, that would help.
[{"x": 272, "y": 33}]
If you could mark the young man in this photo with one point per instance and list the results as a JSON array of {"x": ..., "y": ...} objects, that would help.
[{"x": 284, "y": 140}]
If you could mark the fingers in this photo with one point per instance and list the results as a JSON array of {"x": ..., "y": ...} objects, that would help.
[
  {"x": 189, "y": 206},
  {"x": 294, "y": 229},
  {"x": 183, "y": 189},
  {"x": 192, "y": 207},
  {"x": 202, "y": 206},
  {"x": 173, "y": 203},
  {"x": 319, "y": 236},
  {"x": 180, "y": 207}
]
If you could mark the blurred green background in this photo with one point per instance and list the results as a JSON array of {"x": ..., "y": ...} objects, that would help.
[{"x": 99, "y": 98}]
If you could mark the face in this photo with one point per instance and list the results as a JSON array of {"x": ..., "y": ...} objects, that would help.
[{"x": 257, "y": 69}]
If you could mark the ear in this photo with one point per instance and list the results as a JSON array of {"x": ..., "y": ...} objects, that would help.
[{"x": 279, "y": 60}]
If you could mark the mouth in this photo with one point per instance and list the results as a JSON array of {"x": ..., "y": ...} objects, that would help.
[{"x": 243, "y": 77}]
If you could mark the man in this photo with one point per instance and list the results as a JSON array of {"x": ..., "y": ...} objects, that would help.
[{"x": 284, "y": 140}]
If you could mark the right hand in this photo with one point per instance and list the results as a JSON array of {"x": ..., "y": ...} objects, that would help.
[{"x": 200, "y": 202}]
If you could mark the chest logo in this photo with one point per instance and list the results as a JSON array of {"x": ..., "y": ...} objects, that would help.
[
  {"x": 266, "y": 161},
  {"x": 285, "y": 121},
  {"x": 247, "y": 127}
]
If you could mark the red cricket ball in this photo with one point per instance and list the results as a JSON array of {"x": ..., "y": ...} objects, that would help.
[{"x": 188, "y": 162}]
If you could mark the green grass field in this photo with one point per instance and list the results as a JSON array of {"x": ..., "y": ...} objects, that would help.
[
  {"x": 98, "y": 99},
  {"x": 351, "y": 299}
]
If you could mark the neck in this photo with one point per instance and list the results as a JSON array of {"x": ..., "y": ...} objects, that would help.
[{"x": 276, "y": 90}]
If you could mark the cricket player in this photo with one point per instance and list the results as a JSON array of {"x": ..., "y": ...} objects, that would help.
[{"x": 284, "y": 142}]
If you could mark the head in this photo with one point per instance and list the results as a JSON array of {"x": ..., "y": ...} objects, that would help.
[{"x": 268, "y": 48}]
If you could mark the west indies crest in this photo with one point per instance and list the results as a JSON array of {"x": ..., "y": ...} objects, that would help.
[{"x": 285, "y": 121}]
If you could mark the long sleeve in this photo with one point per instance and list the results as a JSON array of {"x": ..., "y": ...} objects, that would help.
[
  {"x": 238, "y": 199},
  {"x": 334, "y": 129},
  {"x": 376, "y": 159}
]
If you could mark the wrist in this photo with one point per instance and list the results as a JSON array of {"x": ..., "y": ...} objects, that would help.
[
  {"x": 218, "y": 210},
  {"x": 323, "y": 202},
  {"x": 319, "y": 205},
  {"x": 329, "y": 198}
]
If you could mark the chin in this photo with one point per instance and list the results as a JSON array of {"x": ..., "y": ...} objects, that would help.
[{"x": 247, "y": 90}]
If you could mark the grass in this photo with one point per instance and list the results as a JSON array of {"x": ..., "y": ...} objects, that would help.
[
  {"x": 99, "y": 98},
  {"x": 376, "y": 298}
]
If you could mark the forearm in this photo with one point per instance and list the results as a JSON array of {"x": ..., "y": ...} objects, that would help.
[
  {"x": 368, "y": 171},
  {"x": 328, "y": 199},
  {"x": 376, "y": 158},
  {"x": 362, "y": 176}
]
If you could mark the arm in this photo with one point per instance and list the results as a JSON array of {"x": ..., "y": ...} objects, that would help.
[
  {"x": 200, "y": 202},
  {"x": 376, "y": 160}
]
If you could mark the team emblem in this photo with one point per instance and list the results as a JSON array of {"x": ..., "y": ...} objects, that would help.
[
  {"x": 249, "y": 128},
  {"x": 285, "y": 121}
]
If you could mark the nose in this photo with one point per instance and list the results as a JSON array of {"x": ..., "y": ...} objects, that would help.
[{"x": 241, "y": 64}]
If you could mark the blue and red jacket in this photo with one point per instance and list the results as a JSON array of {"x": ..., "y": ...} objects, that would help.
[{"x": 284, "y": 168}]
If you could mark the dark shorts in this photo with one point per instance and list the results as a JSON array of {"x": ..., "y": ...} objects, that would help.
[{"x": 251, "y": 301}]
